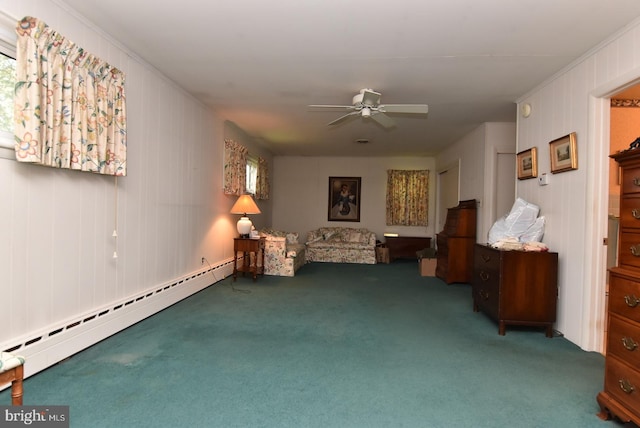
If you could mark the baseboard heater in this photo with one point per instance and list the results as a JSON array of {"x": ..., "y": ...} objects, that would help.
[{"x": 59, "y": 342}]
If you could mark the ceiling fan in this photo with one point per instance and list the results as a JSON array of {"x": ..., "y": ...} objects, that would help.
[{"x": 367, "y": 105}]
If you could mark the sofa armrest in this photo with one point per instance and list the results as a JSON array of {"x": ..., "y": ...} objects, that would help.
[{"x": 372, "y": 239}]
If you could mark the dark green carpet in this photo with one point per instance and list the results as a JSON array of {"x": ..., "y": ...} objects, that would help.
[{"x": 336, "y": 346}]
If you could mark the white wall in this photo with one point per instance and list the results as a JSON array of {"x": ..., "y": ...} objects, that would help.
[
  {"x": 477, "y": 178},
  {"x": 575, "y": 202},
  {"x": 56, "y": 249},
  {"x": 300, "y": 202}
]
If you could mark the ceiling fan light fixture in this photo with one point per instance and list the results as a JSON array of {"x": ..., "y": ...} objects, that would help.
[{"x": 366, "y": 104}]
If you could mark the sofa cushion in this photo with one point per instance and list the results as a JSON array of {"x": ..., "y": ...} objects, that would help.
[{"x": 352, "y": 236}]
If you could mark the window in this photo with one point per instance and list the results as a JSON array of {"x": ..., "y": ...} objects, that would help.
[
  {"x": 252, "y": 174},
  {"x": 7, "y": 86}
]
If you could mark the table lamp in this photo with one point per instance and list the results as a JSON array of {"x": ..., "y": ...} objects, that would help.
[{"x": 244, "y": 205}]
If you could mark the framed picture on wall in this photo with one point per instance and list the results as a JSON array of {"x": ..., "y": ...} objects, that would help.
[
  {"x": 563, "y": 152},
  {"x": 344, "y": 199},
  {"x": 527, "y": 164}
]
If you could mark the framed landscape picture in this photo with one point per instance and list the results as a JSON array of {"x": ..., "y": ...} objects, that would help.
[
  {"x": 527, "y": 164},
  {"x": 344, "y": 199},
  {"x": 563, "y": 152}
]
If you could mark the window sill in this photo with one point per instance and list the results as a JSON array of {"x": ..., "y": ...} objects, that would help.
[{"x": 6, "y": 153}]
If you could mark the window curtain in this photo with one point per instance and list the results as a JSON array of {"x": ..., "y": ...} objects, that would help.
[
  {"x": 69, "y": 104},
  {"x": 235, "y": 168},
  {"x": 262, "y": 182},
  {"x": 407, "y": 197}
]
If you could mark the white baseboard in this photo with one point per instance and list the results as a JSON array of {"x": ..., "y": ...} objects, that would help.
[{"x": 56, "y": 343}]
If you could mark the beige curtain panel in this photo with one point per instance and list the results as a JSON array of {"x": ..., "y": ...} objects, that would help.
[
  {"x": 235, "y": 168},
  {"x": 262, "y": 183},
  {"x": 407, "y": 197}
]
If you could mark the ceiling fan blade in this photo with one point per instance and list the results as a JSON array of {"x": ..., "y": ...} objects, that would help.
[
  {"x": 370, "y": 98},
  {"x": 383, "y": 119},
  {"x": 329, "y": 107},
  {"x": 344, "y": 118},
  {"x": 404, "y": 108}
]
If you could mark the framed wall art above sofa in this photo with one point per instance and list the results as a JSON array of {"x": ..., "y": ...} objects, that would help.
[{"x": 344, "y": 199}]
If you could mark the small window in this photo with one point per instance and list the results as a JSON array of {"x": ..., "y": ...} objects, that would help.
[
  {"x": 7, "y": 86},
  {"x": 252, "y": 174}
]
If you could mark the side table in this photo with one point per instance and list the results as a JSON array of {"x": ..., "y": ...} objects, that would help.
[
  {"x": 248, "y": 246},
  {"x": 405, "y": 247}
]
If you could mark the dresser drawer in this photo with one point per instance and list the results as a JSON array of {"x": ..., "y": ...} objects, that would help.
[
  {"x": 624, "y": 297},
  {"x": 486, "y": 295},
  {"x": 630, "y": 213},
  {"x": 629, "y": 251},
  {"x": 631, "y": 180},
  {"x": 623, "y": 340},
  {"x": 486, "y": 259},
  {"x": 486, "y": 280},
  {"x": 622, "y": 382}
]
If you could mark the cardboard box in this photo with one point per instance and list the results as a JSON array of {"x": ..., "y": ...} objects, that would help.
[
  {"x": 427, "y": 267},
  {"x": 382, "y": 254}
]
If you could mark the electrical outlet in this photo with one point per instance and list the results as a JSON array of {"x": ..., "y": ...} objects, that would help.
[{"x": 202, "y": 262}]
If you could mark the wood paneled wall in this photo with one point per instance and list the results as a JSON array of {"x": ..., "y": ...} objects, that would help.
[
  {"x": 575, "y": 202},
  {"x": 57, "y": 248}
]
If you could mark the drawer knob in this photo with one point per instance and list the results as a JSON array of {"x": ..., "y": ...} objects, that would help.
[
  {"x": 484, "y": 276},
  {"x": 626, "y": 386},
  {"x": 631, "y": 300},
  {"x": 635, "y": 213},
  {"x": 635, "y": 250},
  {"x": 486, "y": 258},
  {"x": 636, "y": 181},
  {"x": 629, "y": 344},
  {"x": 484, "y": 294}
]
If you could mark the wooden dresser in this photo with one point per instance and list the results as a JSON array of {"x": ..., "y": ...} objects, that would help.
[
  {"x": 516, "y": 287},
  {"x": 455, "y": 243},
  {"x": 621, "y": 395}
]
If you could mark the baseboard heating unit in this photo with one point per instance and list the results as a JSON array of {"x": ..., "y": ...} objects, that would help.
[{"x": 46, "y": 348}]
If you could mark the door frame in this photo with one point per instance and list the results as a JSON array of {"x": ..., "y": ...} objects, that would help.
[
  {"x": 453, "y": 164},
  {"x": 595, "y": 275}
]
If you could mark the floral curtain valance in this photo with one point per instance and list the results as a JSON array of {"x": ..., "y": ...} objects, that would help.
[
  {"x": 69, "y": 104},
  {"x": 407, "y": 197}
]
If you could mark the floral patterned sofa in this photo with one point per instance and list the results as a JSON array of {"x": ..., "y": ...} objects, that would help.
[
  {"x": 341, "y": 245},
  {"x": 283, "y": 255}
]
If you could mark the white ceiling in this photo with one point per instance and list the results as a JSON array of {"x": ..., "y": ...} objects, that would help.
[{"x": 260, "y": 63}]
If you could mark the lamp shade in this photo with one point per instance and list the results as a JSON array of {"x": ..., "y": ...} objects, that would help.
[{"x": 245, "y": 205}]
